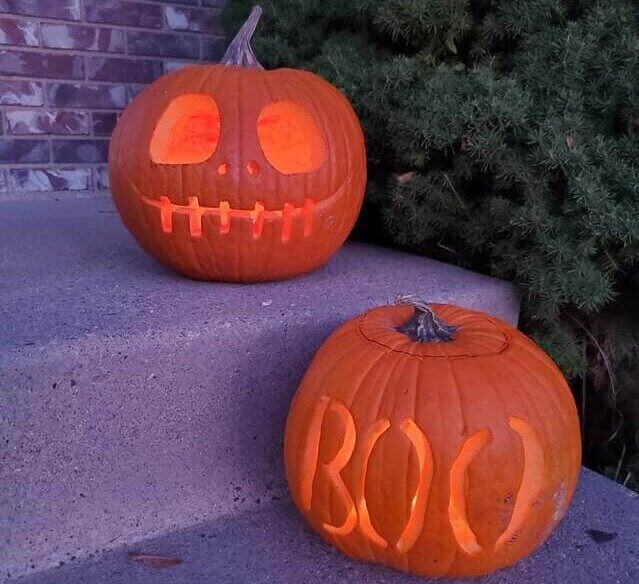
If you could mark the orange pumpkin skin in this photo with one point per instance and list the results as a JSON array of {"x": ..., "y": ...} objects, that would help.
[
  {"x": 229, "y": 214},
  {"x": 443, "y": 459}
]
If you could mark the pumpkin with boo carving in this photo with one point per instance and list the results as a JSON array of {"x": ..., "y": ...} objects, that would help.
[
  {"x": 433, "y": 439},
  {"x": 230, "y": 172}
]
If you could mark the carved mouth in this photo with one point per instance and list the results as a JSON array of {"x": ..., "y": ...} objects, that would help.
[
  {"x": 195, "y": 211},
  {"x": 225, "y": 212}
]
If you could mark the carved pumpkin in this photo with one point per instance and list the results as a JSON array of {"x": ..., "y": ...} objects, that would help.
[
  {"x": 439, "y": 449},
  {"x": 230, "y": 172}
]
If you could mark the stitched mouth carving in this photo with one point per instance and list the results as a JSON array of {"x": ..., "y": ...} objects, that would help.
[{"x": 226, "y": 213}]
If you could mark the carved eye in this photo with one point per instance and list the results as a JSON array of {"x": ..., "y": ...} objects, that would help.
[
  {"x": 188, "y": 131},
  {"x": 290, "y": 138}
]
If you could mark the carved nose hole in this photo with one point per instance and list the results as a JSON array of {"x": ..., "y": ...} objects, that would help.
[
  {"x": 252, "y": 168},
  {"x": 223, "y": 169}
]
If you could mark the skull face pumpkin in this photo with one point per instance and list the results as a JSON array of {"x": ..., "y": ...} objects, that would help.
[{"x": 230, "y": 172}]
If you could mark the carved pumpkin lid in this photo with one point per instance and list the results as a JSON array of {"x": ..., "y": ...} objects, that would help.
[{"x": 471, "y": 334}]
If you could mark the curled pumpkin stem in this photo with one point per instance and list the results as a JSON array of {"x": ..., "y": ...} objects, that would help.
[{"x": 424, "y": 326}]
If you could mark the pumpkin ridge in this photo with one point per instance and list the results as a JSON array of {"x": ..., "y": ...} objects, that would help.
[
  {"x": 555, "y": 397},
  {"x": 307, "y": 81},
  {"x": 525, "y": 377}
]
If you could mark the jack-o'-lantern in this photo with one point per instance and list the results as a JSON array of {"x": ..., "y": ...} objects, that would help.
[
  {"x": 433, "y": 439},
  {"x": 231, "y": 172}
]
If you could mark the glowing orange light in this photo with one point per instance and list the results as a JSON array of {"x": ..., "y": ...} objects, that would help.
[
  {"x": 531, "y": 482},
  {"x": 188, "y": 131},
  {"x": 415, "y": 521},
  {"x": 290, "y": 138},
  {"x": 334, "y": 467},
  {"x": 257, "y": 214},
  {"x": 195, "y": 210},
  {"x": 223, "y": 169},
  {"x": 365, "y": 524},
  {"x": 225, "y": 217},
  {"x": 166, "y": 214},
  {"x": 358, "y": 514},
  {"x": 425, "y": 457},
  {"x": 252, "y": 168},
  {"x": 464, "y": 535},
  {"x": 308, "y": 464},
  {"x": 195, "y": 217}
]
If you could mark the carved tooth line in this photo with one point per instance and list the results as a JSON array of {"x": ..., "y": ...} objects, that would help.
[
  {"x": 258, "y": 214},
  {"x": 258, "y": 219},
  {"x": 166, "y": 214},
  {"x": 225, "y": 217},
  {"x": 195, "y": 217}
]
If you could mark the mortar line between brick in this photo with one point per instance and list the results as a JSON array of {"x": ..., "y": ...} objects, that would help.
[
  {"x": 91, "y": 82},
  {"x": 12, "y": 196},
  {"x": 27, "y": 137},
  {"x": 64, "y": 80},
  {"x": 176, "y": 4},
  {"x": 39, "y": 29},
  {"x": 62, "y": 109},
  {"x": 45, "y": 92},
  {"x": 76, "y": 137},
  {"x": 127, "y": 27},
  {"x": 48, "y": 165},
  {"x": 90, "y": 53}
]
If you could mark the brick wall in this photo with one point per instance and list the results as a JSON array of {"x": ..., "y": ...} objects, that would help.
[{"x": 68, "y": 67}]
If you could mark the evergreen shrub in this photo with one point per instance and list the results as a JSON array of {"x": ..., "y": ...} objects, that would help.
[{"x": 502, "y": 136}]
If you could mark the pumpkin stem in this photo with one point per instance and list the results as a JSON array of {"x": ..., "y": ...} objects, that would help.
[
  {"x": 424, "y": 326},
  {"x": 240, "y": 53}
]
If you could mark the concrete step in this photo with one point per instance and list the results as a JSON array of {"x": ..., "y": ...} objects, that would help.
[
  {"x": 135, "y": 402},
  {"x": 597, "y": 542}
]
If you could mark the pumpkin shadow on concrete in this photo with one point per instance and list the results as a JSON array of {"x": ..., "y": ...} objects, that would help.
[{"x": 265, "y": 377}]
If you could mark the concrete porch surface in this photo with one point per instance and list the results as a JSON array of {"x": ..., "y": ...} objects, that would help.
[
  {"x": 597, "y": 542},
  {"x": 144, "y": 411}
]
